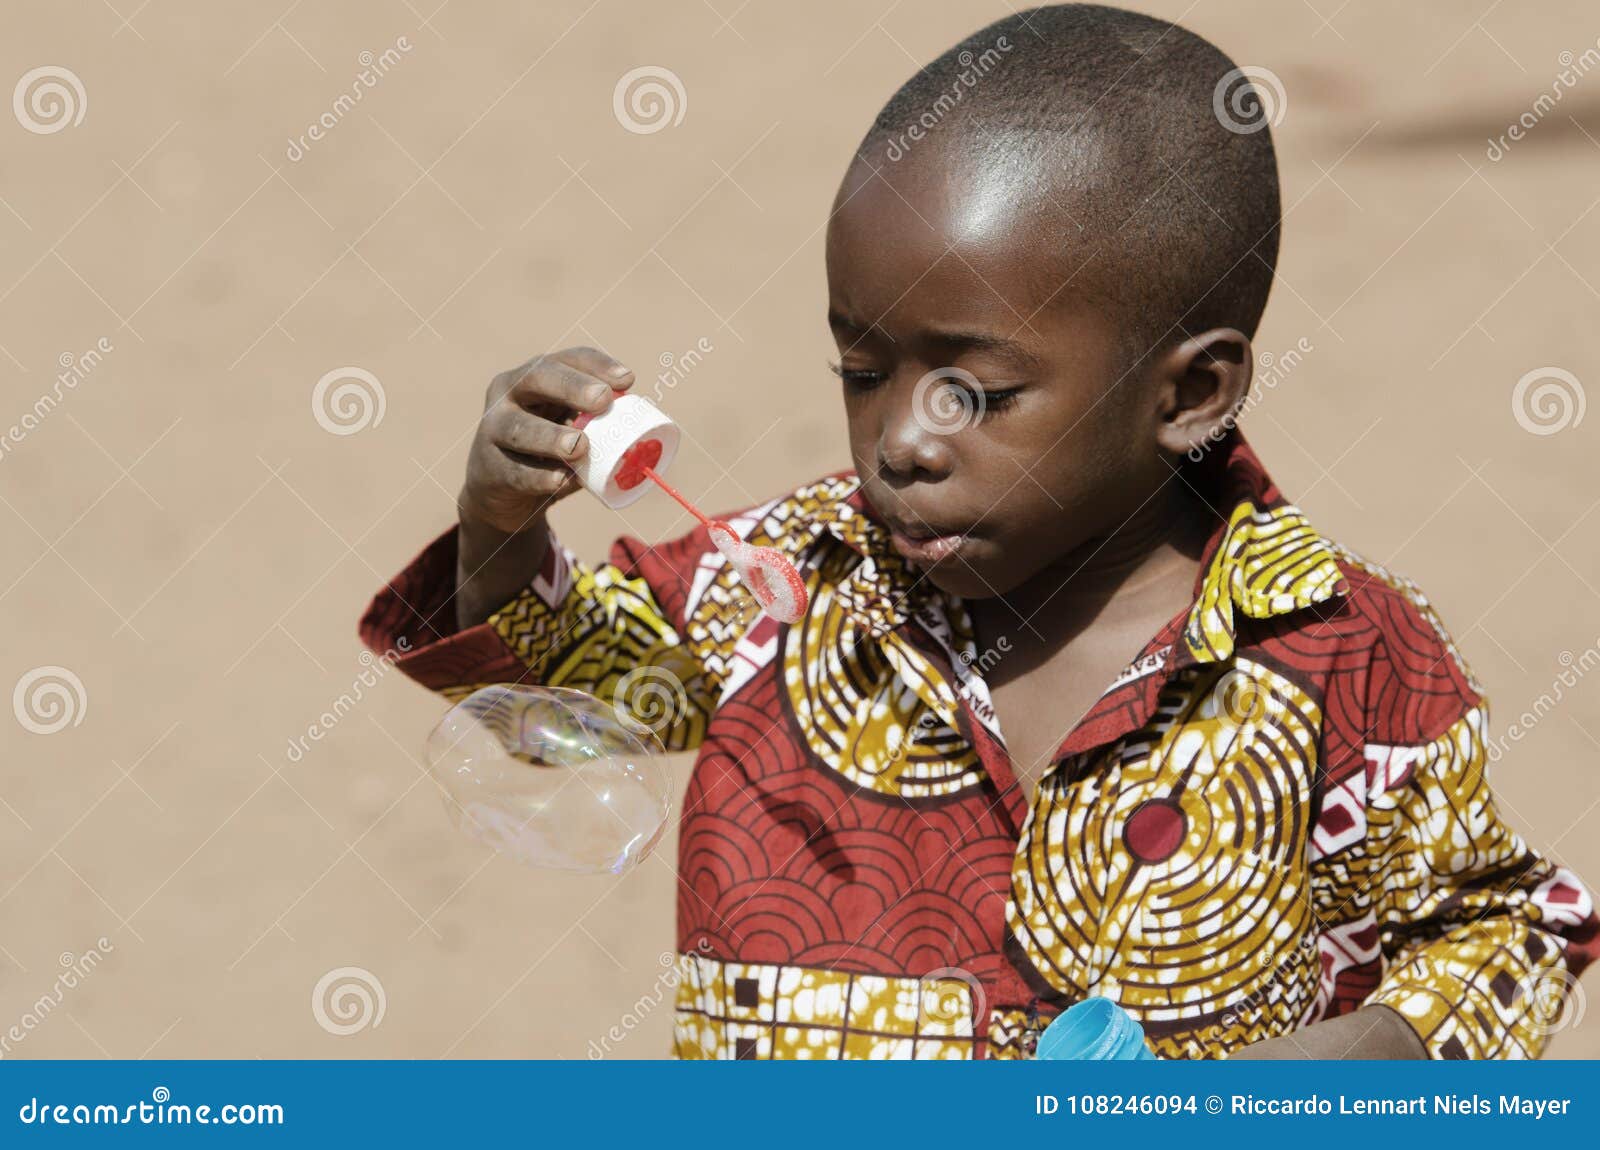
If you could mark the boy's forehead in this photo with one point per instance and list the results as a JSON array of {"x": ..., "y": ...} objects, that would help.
[{"x": 995, "y": 231}]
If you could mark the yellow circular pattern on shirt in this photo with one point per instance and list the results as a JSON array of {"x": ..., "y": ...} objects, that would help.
[
  {"x": 1171, "y": 874},
  {"x": 855, "y": 711}
]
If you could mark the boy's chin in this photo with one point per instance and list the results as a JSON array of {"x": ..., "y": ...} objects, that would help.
[{"x": 968, "y": 580}]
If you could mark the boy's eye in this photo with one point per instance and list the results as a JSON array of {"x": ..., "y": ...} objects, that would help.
[
  {"x": 974, "y": 404},
  {"x": 859, "y": 378},
  {"x": 998, "y": 399},
  {"x": 988, "y": 400}
]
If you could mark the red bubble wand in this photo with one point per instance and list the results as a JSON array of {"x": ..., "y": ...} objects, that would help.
[{"x": 774, "y": 582}]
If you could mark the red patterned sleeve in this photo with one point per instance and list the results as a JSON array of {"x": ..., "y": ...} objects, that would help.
[
  {"x": 613, "y": 631},
  {"x": 1482, "y": 937}
]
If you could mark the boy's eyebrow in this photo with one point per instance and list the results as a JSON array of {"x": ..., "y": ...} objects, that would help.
[
  {"x": 837, "y": 319},
  {"x": 952, "y": 344},
  {"x": 843, "y": 327},
  {"x": 955, "y": 340},
  {"x": 979, "y": 341}
]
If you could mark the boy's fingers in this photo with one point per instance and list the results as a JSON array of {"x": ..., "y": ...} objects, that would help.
[
  {"x": 568, "y": 483},
  {"x": 532, "y": 476},
  {"x": 518, "y": 431},
  {"x": 597, "y": 363},
  {"x": 547, "y": 381}
]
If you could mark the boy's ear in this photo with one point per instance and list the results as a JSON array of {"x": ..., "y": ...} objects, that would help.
[{"x": 1201, "y": 384}]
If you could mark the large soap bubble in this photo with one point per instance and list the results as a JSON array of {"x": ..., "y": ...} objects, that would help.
[{"x": 552, "y": 777}]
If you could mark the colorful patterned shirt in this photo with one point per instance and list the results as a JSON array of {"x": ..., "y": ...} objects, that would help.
[{"x": 1278, "y": 812}]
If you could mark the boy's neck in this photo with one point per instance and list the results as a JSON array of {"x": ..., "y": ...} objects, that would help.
[{"x": 1146, "y": 568}]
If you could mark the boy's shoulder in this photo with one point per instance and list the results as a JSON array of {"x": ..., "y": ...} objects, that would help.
[
  {"x": 1334, "y": 612},
  {"x": 1419, "y": 684}
]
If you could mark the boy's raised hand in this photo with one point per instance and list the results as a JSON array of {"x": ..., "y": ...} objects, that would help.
[
  {"x": 523, "y": 449},
  {"x": 519, "y": 466}
]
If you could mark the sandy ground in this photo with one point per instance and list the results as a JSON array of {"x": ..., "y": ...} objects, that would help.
[{"x": 186, "y": 539}]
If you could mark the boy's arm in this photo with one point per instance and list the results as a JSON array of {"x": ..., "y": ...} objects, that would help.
[
  {"x": 1483, "y": 938},
  {"x": 498, "y": 600},
  {"x": 1372, "y": 1032},
  {"x": 1480, "y": 937},
  {"x": 492, "y": 566},
  {"x": 612, "y": 631}
]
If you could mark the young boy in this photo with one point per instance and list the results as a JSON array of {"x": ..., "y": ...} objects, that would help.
[{"x": 1080, "y": 704}]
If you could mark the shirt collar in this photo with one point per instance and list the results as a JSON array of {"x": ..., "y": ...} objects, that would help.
[
  {"x": 1263, "y": 560},
  {"x": 882, "y": 591}
]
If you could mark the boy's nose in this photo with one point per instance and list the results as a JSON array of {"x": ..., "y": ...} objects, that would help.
[{"x": 912, "y": 447}]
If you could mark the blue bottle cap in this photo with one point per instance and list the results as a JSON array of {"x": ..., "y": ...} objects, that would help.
[{"x": 1096, "y": 1029}]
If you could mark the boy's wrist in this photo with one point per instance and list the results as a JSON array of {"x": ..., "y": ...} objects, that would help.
[
  {"x": 493, "y": 565},
  {"x": 1400, "y": 1036},
  {"x": 485, "y": 524}
]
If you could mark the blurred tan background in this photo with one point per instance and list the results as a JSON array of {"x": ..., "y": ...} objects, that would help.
[{"x": 192, "y": 544}]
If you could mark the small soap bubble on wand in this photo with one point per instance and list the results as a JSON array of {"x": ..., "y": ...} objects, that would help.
[
  {"x": 771, "y": 579},
  {"x": 628, "y": 444}
]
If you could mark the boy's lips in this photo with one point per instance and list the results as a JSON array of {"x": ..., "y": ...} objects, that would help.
[
  {"x": 917, "y": 539},
  {"x": 925, "y": 548}
]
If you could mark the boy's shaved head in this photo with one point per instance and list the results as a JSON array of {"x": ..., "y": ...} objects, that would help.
[
  {"x": 1045, "y": 268},
  {"x": 1134, "y": 136}
]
